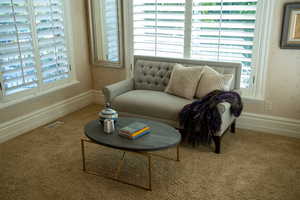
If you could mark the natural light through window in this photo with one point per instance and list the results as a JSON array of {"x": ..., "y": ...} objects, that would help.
[
  {"x": 159, "y": 28},
  {"x": 213, "y": 30},
  {"x": 33, "y": 47}
]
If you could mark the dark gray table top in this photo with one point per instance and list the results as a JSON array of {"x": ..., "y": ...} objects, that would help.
[{"x": 162, "y": 136}]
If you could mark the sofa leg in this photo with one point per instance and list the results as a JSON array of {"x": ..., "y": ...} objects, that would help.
[
  {"x": 232, "y": 127},
  {"x": 217, "y": 141}
]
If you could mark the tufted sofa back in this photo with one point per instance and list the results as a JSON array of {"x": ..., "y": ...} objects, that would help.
[{"x": 153, "y": 73}]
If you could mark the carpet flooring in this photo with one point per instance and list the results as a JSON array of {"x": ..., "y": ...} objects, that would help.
[{"x": 46, "y": 164}]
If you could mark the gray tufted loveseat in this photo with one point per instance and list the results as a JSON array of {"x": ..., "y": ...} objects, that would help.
[{"x": 143, "y": 95}]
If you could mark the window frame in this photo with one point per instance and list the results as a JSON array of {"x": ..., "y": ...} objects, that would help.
[
  {"x": 44, "y": 88},
  {"x": 262, "y": 42}
]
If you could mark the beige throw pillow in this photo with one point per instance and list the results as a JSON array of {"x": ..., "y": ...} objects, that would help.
[
  {"x": 212, "y": 80},
  {"x": 184, "y": 80}
]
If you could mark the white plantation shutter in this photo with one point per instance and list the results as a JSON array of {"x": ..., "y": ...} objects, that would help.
[
  {"x": 159, "y": 27},
  {"x": 213, "y": 30},
  {"x": 17, "y": 63},
  {"x": 111, "y": 29},
  {"x": 49, "y": 19},
  {"x": 223, "y": 30},
  {"x": 33, "y": 49}
]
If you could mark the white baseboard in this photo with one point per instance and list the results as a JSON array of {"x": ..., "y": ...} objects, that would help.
[
  {"x": 23, "y": 124},
  {"x": 270, "y": 124},
  {"x": 98, "y": 97}
]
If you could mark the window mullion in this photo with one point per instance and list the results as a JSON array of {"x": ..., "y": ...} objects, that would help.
[
  {"x": 68, "y": 39},
  {"x": 188, "y": 28},
  {"x": 155, "y": 28},
  {"x": 2, "y": 89},
  {"x": 220, "y": 29},
  {"x": 54, "y": 38},
  {"x": 35, "y": 43}
]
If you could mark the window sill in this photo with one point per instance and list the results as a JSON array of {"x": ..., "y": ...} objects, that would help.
[
  {"x": 252, "y": 99},
  {"x": 5, "y": 104}
]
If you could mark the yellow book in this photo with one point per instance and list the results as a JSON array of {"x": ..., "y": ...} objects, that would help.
[{"x": 140, "y": 131}]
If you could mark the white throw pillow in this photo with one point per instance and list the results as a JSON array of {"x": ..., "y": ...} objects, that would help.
[
  {"x": 212, "y": 80},
  {"x": 184, "y": 80}
]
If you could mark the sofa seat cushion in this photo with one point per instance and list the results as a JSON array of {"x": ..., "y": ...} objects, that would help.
[{"x": 150, "y": 103}]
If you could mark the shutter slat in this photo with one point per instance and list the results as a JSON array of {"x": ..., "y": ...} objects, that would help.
[
  {"x": 229, "y": 25},
  {"x": 216, "y": 48},
  {"x": 16, "y": 64},
  {"x": 56, "y": 77},
  {"x": 163, "y": 43},
  {"x": 225, "y": 8},
  {"x": 223, "y": 32},
  {"x": 225, "y": 16},
  {"x": 21, "y": 87},
  {"x": 19, "y": 69},
  {"x": 54, "y": 71},
  {"x": 225, "y": 1},
  {"x": 162, "y": 31},
  {"x": 12, "y": 83},
  {"x": 142, "y": 16},
  {"x": 53, "y": 64},
  {"x": 13, "y": 75},
  {"x": 12, "y": 48},
  {"x": 167, "y": 23},
  {"x": 222, "y": 41}
]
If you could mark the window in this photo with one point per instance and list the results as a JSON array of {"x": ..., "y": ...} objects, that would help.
[
  {"x": 33, "y": 46},
  {"x": 213, "y": 30},
  {"x": 110, "y": 10},
  {"x": 224, "y": 31},
  {"x": 106, "y": 32},
  {"x": 159, "y": 27}
]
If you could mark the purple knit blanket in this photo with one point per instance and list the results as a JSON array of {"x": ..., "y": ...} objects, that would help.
[{"x": 201, "y": 119}]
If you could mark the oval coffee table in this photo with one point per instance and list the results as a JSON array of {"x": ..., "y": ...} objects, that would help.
[{"x": 162, "y": 136}]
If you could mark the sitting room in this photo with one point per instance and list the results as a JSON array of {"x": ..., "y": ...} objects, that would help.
[{"x": 150, "y": 99}]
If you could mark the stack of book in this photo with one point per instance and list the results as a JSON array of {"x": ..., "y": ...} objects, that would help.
[{"x": 134, "y": 130}]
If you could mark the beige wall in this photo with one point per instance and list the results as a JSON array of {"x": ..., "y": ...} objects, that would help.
[
  {"x": 283, "y": 77},
  {"x": 81, "y": 60},
  {"x": 104, "y": 76},
  {"x": 282, "y": 82}
]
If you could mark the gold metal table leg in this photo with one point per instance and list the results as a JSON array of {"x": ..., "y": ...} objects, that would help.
[
  {"x": 83, "y": 154},
  {"x": 120, "y": 165},
  {"x": 115, "y": 177},
  {"x": 149, "y": 172},
  {"x": 177, "y": 147}
]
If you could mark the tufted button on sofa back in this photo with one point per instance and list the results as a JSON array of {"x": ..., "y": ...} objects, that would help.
[{"x": 152, "y": 75}]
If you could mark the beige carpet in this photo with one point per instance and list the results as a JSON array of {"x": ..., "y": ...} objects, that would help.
[{"x": 46, "y": 164}]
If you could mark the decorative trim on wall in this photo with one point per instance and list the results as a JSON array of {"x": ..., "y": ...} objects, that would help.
[
  {"x": 270, "y": 124},
  {"x": 23, "y": 124}
]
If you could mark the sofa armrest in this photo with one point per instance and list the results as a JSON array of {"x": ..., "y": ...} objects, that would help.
[
  {"x": 239, "y": 91},
  {"x": 222, "y": 107},
  {"x": 116, "y": 89},
  {"x": 226, "y": 116}
]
